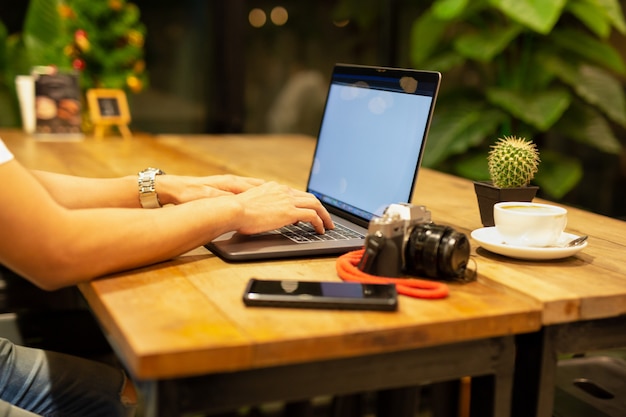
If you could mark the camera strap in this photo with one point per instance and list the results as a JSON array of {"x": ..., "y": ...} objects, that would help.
[{"x": 418, "y": 288}]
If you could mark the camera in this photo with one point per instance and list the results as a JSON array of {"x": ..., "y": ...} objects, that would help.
[{"x": 404, "y": 241}]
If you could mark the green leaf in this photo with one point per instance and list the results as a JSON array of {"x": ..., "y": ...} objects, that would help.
[
  {"x": 3, "y": 47},
  {"x": 594, "y": 85},
  {"x": 558, "y": 174},
  {"x": 43, "y": 21},
  {"x": 17, "y": 56},
  {"x": 8, "y": 112},
  {"x": 590, "y": 49},
  {"x": 42, "y": 27},
  {"x": 484, "y": 46},
  {"x": 445, "y": 62},
  {"x": 599, "y": 15},
  {"x": 586, "y": 125},
  {"x": 457, "y": 127},
  {"x": 615, "y": 13},
  {"x": 426, "y": 37},
  {"x": 449, "y": 9},
  {"x": 538, "y": 15},
  {"x": 474, "y": 167},
  {"x": 539, "y": 109},
  {"x": 604, "y": 91},
  {"x": 594, "y": 17}
]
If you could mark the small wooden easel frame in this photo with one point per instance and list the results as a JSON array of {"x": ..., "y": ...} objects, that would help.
[{"x": 108, "y": 107}]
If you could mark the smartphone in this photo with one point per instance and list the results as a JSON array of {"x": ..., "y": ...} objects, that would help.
[{"x": 320, "y": 294}]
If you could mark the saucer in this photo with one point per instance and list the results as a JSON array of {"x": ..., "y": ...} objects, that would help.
[{"x": 490, "y": 239}]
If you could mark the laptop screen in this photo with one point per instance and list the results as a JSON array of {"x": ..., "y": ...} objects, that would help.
[{"x": 371, "y": 138}]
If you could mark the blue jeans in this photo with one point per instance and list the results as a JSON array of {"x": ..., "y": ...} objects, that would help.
[{"x": 34, "y": 382}]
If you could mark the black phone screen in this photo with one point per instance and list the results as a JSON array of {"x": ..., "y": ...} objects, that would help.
[{"x": 321, "y": 294}]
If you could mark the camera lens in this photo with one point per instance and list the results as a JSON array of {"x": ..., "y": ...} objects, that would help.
[
  {"x": 454, "y": 250},
  {"x": 436, "y": 251},
  {"x": 422, "y": 250}
]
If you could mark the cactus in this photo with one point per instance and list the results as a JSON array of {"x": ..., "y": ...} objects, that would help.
[{"x": 513, "y": 162}]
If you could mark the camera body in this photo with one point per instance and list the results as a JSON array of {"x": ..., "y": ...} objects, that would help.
[{"x": 405, "y": 241}]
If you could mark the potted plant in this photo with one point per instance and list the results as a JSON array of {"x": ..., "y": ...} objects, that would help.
[{"x": 512, "y": 163}]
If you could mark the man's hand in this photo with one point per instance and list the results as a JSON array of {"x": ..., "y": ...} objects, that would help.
[
  {"x": 272, "y": 205},
  {"x": 176, "y": 189}
]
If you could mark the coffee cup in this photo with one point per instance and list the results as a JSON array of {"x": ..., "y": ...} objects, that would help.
[{"x": 529, "y": 224}]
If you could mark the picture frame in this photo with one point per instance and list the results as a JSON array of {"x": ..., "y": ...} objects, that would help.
[{"x": 108, "y": 107}]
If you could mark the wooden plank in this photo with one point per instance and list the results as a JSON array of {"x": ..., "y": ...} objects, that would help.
[
  {"x": 284, "y": 336},
  {"x": 186, "y": 317},
  {"x": 162, "y": 326}
]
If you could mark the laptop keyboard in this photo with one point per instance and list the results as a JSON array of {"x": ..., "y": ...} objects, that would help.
[{"x": 304, "y": 233}]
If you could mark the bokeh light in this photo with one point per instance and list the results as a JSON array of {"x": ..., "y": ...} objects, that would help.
[
  {"x": 257, "y": 18},
  {"x": 279, "y": 15}
]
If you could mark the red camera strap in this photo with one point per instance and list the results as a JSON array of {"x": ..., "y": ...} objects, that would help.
[{"x": 417, "y": 288}]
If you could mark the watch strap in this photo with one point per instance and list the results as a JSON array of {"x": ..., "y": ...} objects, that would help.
[{"x": 147, "y": 192}]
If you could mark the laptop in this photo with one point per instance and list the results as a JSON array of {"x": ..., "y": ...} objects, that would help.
[{"x": 369, "y": 148}]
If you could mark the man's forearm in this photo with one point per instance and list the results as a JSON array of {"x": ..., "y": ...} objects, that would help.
[{"x": 80, "y": 192}]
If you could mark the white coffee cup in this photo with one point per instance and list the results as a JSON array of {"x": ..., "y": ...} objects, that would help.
[
  {"x": 25, "y": 86},
  {"x": 529, "y": 224}
]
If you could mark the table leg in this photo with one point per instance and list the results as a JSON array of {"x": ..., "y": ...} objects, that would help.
[
  {"x": 444, "y": 398},
  {"x": 148, "y": 394},
  {"x": 398, "y": 402},
  {"x": 491, "y": 394},
  {"x": 535, "y": 365},
  {"x": 350, "y": 405},
  {"x": 302, "y": 408},
  {"x": 537, "y": 355}
]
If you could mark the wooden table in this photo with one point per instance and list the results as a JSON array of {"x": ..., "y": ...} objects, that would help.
[{"x": 181, "y": 328}]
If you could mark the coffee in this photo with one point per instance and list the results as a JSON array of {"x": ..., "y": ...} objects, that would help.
[{"x": 532, "y": 208}]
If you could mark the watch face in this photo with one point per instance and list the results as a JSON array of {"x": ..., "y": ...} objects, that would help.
[{"x": 156, "y": 171}]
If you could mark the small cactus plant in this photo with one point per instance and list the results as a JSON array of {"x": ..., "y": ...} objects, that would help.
[{"x": 513, "y": 162}]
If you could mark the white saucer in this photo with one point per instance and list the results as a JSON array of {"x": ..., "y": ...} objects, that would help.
[{"x": 490, "y": 239}]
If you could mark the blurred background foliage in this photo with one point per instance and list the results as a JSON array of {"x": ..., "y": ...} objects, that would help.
[
  {"x": 102, "y": 40},
  {"x": 542, "y": 70}
]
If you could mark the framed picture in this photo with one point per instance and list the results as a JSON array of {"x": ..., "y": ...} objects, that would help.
[{"x": 108, "y": 107}]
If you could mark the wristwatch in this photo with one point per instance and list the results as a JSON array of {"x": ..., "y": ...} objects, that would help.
[{"x": 147, "y": 194}]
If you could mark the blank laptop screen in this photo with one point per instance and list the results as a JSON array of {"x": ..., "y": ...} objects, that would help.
[{"x": 371, "y": 136}]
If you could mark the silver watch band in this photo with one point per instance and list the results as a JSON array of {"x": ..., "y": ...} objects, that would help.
[{"x": 147, "y": 193}]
